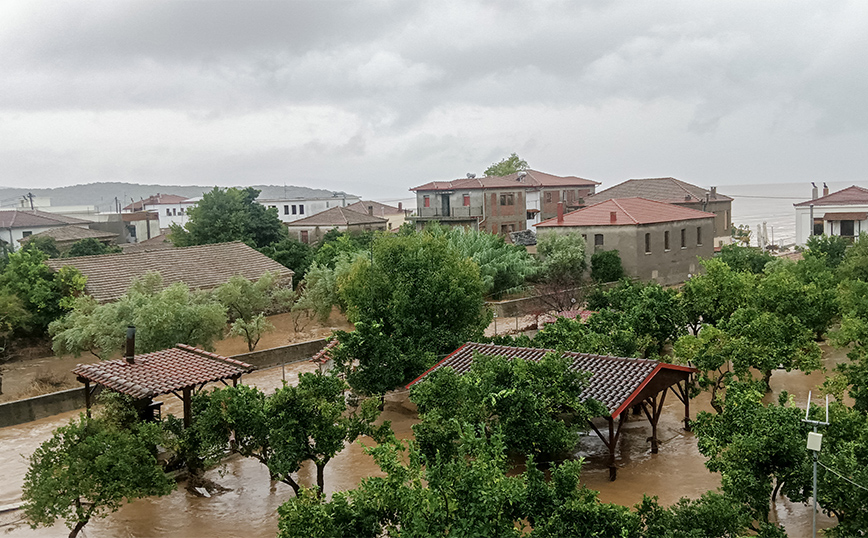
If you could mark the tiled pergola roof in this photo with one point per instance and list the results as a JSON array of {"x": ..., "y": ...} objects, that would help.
[
  {"x": 615, "y": 381},
  {"x": 162, "y": 372}
]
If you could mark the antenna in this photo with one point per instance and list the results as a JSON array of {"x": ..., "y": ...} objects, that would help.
[{"x": 815, "y": 441}]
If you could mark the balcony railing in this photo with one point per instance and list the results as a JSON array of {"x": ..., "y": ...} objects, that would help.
[{"x": 454, "y": 212}]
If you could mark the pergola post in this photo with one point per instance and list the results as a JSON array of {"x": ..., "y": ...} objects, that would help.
[
  {"x": 613, "y": 471},
  {"x": 683, "y": 394},
  {"x": 87, "y": 401},
  {"x": 188, "y": 408},
  {"x": 654, "y": 416}
]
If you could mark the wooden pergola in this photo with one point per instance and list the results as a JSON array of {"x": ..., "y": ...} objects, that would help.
[
  {"x": 182, "y": 370},
  {"x": 619, "y": 383}
]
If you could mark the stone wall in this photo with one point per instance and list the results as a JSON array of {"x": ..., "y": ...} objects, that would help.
[{"x": 46, "y": 405}]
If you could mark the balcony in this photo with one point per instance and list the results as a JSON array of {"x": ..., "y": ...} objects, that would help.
[{"x": 454, "y": 213}]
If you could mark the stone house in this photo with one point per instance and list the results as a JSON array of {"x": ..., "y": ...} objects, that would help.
[{"x": 656, "y": 241}]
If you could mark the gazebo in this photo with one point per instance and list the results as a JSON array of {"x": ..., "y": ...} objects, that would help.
[
  {"x": 619, "y": 383},
  {"x": 182, "y": 370}
]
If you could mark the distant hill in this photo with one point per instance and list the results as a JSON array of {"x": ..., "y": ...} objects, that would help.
[{"x": 103, "y": 195}]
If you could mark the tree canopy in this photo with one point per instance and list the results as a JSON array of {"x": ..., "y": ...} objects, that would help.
[
  {"x": 506, "y": 166},
  {"x": 229, "y": 215}
]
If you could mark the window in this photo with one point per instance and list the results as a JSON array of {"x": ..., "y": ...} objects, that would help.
[
  {"x": 466, "y": 200},
  {"x": 294, "y": 209},
  {"x": 598, "y": 241},
  {"x": 507, "y": 199},
  {"x": 168, "y": 212},
  {"x": 819, "y": 227},
  {"x": 327, "y": 205},
  {"x": 683, "y": 238},
  {"x": 548, "y": 197},
  {"x": 301, "y": 210},
  {"x": 303, "y": 235},
  {"x": 427, "y": 201},
  {"x": 530, "y": 216},
  {"x": 585, "y": 238},
  {"x": 174, "y": 211},
  {"x": 666, "y": 240},
  {"x": 182, "y": 210},
  {"x": 699, "y": 236},
  {"x": 506, "y": 228},
  {"x": 647, "y": 243},
  {"x": 847, "y": 228},
  {"x": 286, "y": 210},
  {"x": 26, "y": 234}
]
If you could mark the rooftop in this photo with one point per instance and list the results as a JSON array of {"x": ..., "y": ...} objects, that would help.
[
  {"x": 379, "y": 209},
  {"x": 70, "y": 234},
  {"x": 525, "y": 178},
  {"x": 200, "y": 267},
  {"x": 627, "y": 212},
  {"x": 34, "y": 218},
  {"x": 155, "y": 199},
  {"x": 337, "y": 216},
  {"x": 614, "y": 382},
  {"x": 162, "y": 371},
  {"x": 661, "y": 189},
  {"x": 853, "y": 195}
]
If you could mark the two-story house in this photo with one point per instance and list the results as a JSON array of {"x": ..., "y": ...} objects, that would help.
[
  {"x": 843, "y": 213},
  {"x": 498, "y": 205}
]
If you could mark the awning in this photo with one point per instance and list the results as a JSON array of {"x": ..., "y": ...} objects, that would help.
[
  {"x": 533, "y": 210},
  {"x": 845, "y": 216}
]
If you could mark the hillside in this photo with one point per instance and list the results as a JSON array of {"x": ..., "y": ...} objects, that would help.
[{"x": 103, "y": 195}]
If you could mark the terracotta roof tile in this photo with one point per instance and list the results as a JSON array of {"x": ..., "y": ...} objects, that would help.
[
  {"x": 853, "y": 215},
  {"x": 853, "y": 195},
  {"x": 661, "y": 189},
  {"x": 162, "y": 371},
  {"x": 200, "y": 267},
  {"x": 337, "y": 216},
  {"x": 628, "y": 212},
  {"x": 155, "y": 199},
  {"x": 613, "y": 379},
  {"x": 26, "y": 218},
  {"x": 70, "y": 234},
  {"x": 380, "y": 210},
  {"x": 324, "y": 355},
  {"x": 530, "y": 179}
]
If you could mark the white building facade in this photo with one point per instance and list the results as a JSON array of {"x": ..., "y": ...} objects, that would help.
[
  {"x": 293, "y": 209},
  {"x": 843, "y": 213}
]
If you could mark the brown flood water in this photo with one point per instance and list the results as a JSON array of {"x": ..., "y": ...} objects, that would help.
[{"x": 250, "y": 507}]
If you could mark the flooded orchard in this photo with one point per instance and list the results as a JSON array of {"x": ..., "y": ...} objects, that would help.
[{"x": 249, "y": 507}]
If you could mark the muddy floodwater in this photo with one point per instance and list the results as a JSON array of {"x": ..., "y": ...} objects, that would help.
[{"x": 249, "y": 508}]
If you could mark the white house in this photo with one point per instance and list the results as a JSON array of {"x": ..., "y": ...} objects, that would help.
[
  {"x": 292, "y": 209},
  {"x": 18, "y": 224},
  {"x": 843, "y": 213}
]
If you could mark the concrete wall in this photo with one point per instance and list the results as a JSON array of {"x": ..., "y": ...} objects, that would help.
[{"x": 46, "y": 405}]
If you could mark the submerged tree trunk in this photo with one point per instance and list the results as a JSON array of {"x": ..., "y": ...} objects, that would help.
[
  {"x": 320, "y": 477},
  {"x": 292, "y": 483},
  {"x": 77, "y": 529},
  {"x": 767, "y": 376}
]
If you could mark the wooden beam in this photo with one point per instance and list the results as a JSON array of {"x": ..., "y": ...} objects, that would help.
[
  {"x": 613, "y": 471},
  {"x": 86, "y": 395}
]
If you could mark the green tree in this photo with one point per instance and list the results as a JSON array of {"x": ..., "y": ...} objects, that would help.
[
  {"x": 46, "y": 295},
  {"x": 88, "y": 469},
  {"x": 854, "y": 266},
  {"x": 717, "y": 293},
  {"x": 310, "y": 421},
  {"x": 562, "y": 269},
  {"x": 808, "y": 295},
  {"x": 604, "y": 333},
  {"x": 90, "y": 247},
  {"x": 13, "y": 317},
  {"x": 229, "y": 215},
  {"x": 419, "y": 289},
  {"x": 44, "y": 243},
  {"x": 162, "y": 317},
  {"x": 712, "y": 515},
  {"x": 525, "y": 400},
  {"x": 506, "y": 166},
  {"x": 606, "y": 266},
  {"x": 828, "y": 248},
  {"x": 248, "y": 302},
  {"x": 748, "y": 259},
  {"x": 293, "y": 254}
]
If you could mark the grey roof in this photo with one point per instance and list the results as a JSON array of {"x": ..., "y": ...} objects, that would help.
[
  {"x": 337, "y": 216},
  {"x": 27, "y": 218},
  {"x": 200, "y": 267},
  {"x": 614, "y": 382},
  {"x": 660, "y": 189},
  {"x": 70, "y": 234},
  {"x": 379, "y": 209}
]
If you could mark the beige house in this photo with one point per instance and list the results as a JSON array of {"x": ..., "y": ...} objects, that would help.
[
  {"x": 656, "y": 241},
  {"x": 312, "y": 229},
  {"x": 395, "y": 216}
]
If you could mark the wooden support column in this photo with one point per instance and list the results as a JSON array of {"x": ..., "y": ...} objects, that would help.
[
  {"x": 188, "y": 411},
  {"x": 654, "y": 416},
  {"x": 613, "y": 471},
  {"x": 87, "y": 401},
  {"x": 683, "y": 394}
]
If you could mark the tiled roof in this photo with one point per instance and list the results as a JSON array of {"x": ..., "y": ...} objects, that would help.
[
  {"x": 661, "y": 189},
  {"x": 162, "y": 371},
  {"x": 614, "y": 380},
  {"x": 628, "y": 212},
  {"x": 69, "y": 234},
  {"x": 200, "y": 267},
  {"x": 853, "y": 195},
  {"x": 26, "y": 218},
  {"x": 380, "y": 210},
  {"x": 853, "y": 215},
  {"x": 337, "y": 216},
  {"x": 155, "y": 199},
  {"x": 324, "y": 355},
  {"x": 159, "y": 242},
  {"x": 526, "y": 178}
]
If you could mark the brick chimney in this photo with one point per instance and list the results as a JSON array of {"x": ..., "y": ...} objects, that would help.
[
  {"x": 400, "y": 206},
  {"x": 560, "y": 212},
  {"x": 130, "y": 352},
  {"x": 813, "y": 191},
  {"x": 613, "y": 217}
]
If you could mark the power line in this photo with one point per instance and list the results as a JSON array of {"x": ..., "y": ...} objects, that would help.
[{"x": 839, "y": 475}]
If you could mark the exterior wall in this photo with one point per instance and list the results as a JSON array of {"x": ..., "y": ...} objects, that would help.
[
  {"x": 290, "y": 210},
  {"x": 532, "y": 202},
  {"x": 571, "y": 196},
  {"x": 722, "y": 228},
  {"x": 804, "y": 225},
  {"x": 172, "y": 213},
  {"x": 13, "y": 235},
  {"x": 316, "y": 233},
  {"x": 502, "y": 219},
  {"x": 661, "y": 265}
]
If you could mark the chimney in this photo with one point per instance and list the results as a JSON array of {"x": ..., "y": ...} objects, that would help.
[
  {"x": 825, "y": 189},
  {"x": 714, "y": 193},
  {"x": 813, "y": 191},
  {"x": 400, "y": 207},
  {"x": 613, "y": 217},
  {"x": 371, "y": 210},
  {"x": 560, "y": 212},
  {"x": 130, "y": 353}
]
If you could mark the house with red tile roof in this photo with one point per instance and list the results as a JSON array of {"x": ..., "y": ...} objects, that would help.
[
  {"x": 312, "y": 229},
  {"x": 499, "y": 205},
  {"x": 680, "y": 193},
  {"x": 396, "y": 216},
  {"x": 656, "y": 241},
  {"x": 16, "y": 224},
  {"x": 843, "y": 213}
]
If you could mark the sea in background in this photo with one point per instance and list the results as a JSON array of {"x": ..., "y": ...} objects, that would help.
[{"x": 772, "y": 204}]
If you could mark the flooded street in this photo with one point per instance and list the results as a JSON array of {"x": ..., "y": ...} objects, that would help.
[{"x": 249, "y": 508}]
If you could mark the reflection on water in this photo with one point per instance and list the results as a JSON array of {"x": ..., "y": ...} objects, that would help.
[{"x": 249, "y": 508}]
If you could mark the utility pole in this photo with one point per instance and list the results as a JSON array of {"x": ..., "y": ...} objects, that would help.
[
  {"x": 30, "y": 196},
  {"x": 815, "y": 441}
]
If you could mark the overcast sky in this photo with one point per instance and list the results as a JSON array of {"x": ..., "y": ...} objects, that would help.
[{"x": 376, "y": 97}]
